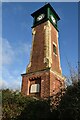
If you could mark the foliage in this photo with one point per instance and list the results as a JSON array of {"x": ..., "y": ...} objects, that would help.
[
  {"x": 18, "y": 107},
  {"x": 69, "y": 107},
  {"x": 13, "y": 103},
  {"x": 35, "y": 110}
]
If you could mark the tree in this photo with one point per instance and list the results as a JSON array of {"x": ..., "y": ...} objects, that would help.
[
  {"x": 13, "y": 104},
  {"x": 36, "y": 110},
  {"x": 69, "y": 107},
  {"x": 16, "y": 107}
]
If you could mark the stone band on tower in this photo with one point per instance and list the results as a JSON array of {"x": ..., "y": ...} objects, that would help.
[{"x": 43, "y": 77}]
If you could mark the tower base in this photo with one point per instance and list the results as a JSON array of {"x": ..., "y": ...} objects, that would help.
[{"x": 42, "y": 83}]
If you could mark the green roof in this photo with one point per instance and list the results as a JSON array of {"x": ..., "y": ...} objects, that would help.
[{"x": 43, "y": 8}]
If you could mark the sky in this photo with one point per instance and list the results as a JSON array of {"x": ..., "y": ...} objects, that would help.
[{"x": 17, "y": 38}]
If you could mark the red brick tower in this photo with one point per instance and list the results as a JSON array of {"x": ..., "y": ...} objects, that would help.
[{"x": 43, "y": 77}]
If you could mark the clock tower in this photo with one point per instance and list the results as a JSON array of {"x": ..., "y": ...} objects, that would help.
[{"x": 43, "y": 77}]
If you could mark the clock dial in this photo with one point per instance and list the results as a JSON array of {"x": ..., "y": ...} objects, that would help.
[
  {"x": 40, "y": 17},
  {"x": 53, "y": 19}
]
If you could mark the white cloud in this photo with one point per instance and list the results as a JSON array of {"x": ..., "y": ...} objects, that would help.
[
  {"x": 15, "y": 85},
  {"x": 11, "y": 81},
  {"x": 7, "y": 52},
  {"x": 0, "y": 59},
  {"x": 0, "y": 53},
  {"x": 26, "y": 48},
  {"x": 11, "y": 77},
  {"x": 0, "y": 20},
  {"x": 3, "y": 84}
]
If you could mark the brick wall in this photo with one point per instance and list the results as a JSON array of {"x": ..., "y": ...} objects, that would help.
[
  {"x": 55, "y": 58},
  {"x": 41, "y": 77},
  {"x": 56, "y": 83},
  {"x": 39, "y": 72},
  {"x": 50, "y": 83},
  {"x": 37, "y": 61}
]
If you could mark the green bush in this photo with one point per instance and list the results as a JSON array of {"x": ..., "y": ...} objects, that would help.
[
  {"x": 18, "y": 107},
  {"x": 69, "y": 107}
]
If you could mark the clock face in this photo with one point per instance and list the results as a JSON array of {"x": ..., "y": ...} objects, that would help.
[
  {"x": 53, "y": 19},
  {"x": 40, "y": 17}
]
